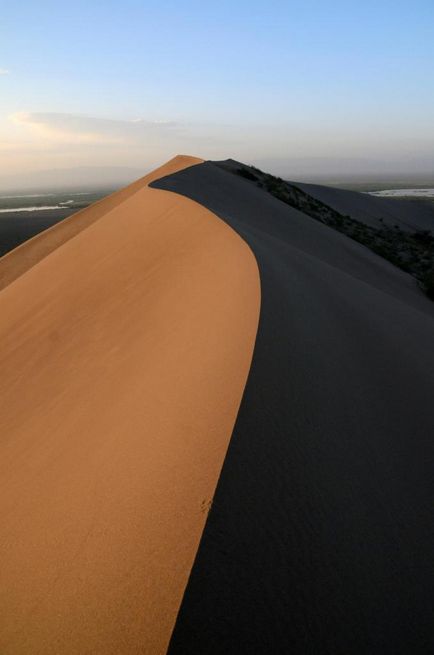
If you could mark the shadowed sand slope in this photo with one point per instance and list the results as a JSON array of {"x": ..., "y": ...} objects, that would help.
[
  {"x": 320, "y": 539},
  {"x": 415, "y": 214},
  {"x": 408, "y": 214},
  {"x": 126, "y": 338}
]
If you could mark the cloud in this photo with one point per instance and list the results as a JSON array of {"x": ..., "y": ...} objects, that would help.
[
  {"x": 142, "y": 121},
  {"x": 35, "y": 140},
  {"x": 4, "y": 71},
  {"x": 75, "y": 129}
]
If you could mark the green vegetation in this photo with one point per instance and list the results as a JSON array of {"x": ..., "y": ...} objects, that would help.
[{"x": 413, "y": 252}]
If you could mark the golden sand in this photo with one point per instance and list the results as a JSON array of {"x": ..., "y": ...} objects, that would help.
[{"x": 126, "y": 338}]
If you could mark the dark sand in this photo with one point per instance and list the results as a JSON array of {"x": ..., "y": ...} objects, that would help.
[
  {"x": 320, "y": 539},
  {"x": 409, "y": 214}
]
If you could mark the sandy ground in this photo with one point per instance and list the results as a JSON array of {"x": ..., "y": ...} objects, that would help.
[
  {"x": 410, "y": 214},
  {"x": 320, "y": 540},
  {"x": 29, "y": 253},
  {"x": 126, "y": 338}
]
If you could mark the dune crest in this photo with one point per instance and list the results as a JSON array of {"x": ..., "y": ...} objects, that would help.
[
  {"x": 19, "y": 260},
  {"x": 127, "y": 334}
]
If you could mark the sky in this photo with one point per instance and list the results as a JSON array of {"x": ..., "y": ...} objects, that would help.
[{"x": 304, "y": 87}]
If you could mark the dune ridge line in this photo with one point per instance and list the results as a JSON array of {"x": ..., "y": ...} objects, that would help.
[
  {"x": 126, "y": 345},
  {"x": 18, "y": 261}
]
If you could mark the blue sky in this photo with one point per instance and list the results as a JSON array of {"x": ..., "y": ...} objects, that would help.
[{"x": 132, "y": 83}]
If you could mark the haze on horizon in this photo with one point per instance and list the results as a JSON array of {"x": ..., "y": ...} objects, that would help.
[{"x": 303, "y": 89}]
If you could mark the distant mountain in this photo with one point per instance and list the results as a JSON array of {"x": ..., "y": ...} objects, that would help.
[
  {"x": 71, "y": 178},
  {"x": 351, "y": 170}
]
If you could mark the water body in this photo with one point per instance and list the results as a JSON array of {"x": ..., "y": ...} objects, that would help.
[
  {"x": 42, "y": 195},
  {"x": 403, "y": 193},
  {"x": 27, "y": 195},
  {"x": 48, "y": 201},
  {"x": 9, "y": 210},
  {"x": 24, "y": 215}
]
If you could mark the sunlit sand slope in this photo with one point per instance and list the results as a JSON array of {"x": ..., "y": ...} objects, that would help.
[
  {"x": 126, "y": 339},
  {"x": 29, "y": 253}
]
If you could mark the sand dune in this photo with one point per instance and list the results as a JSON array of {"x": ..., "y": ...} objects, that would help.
[
  {"x": 29, "y": 253},
  {"x": 320, "y": 539},
  {"x": 408, "y": 214},
  {"x": 127, "y": 333}
]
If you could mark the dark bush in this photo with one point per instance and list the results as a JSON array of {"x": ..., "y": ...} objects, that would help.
[
  {"x": 429, "y": 284},
  {"x": 413, "y": 252},
  {"x": 424, "y": 236},
  {"x": 244, "y": 172}
]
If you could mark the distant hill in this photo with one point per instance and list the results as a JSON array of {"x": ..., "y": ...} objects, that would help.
[
  {"x": 352, "y": 171},
  {"x": 71, "y": 178}
]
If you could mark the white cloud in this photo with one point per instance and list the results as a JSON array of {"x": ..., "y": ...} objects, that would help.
[
  {"x": 143, "y": 121},
  {"x": 4, "y": 71},
  {"x": 36, "y": 140},
  {"x": 45, "y": 140},
  {"x": 62, "y": 129},
  {"x": 72, "y": 129}
]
